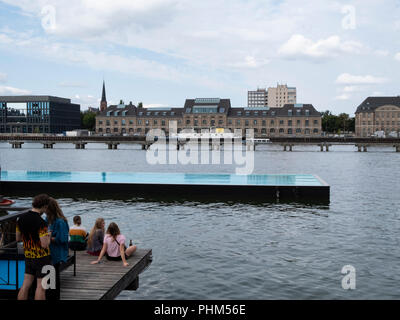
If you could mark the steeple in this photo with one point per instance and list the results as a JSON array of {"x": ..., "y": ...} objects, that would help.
[{"x": 103, "y": 103}]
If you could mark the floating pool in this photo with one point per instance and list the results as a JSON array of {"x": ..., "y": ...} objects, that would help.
[{"x": 134, "y": 183}]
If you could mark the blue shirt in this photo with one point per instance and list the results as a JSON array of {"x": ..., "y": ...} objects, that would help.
[{"x": 59, "y": 247}]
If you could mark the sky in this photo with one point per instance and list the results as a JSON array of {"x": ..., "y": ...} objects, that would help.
[{"x": 161, "y": 52}]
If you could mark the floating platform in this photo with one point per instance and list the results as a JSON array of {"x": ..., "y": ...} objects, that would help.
[
  {"x": 103, "y": 281},
  {"x": 208, "y": 186}
]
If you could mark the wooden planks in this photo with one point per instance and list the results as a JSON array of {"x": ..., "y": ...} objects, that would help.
[{"x": 103, "y": 281}]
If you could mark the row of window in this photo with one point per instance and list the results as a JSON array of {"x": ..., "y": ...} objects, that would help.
[
  {"x": 263, "y": 131},
  {"x": 212, "y": 122},
  {"x": 382, "y": 123},
  {"x": 382, "y": 115}
]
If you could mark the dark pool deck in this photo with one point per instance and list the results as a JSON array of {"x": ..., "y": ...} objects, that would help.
[
  {"x": 237, "y": 187},
  {"x": 103, "y": 281}
]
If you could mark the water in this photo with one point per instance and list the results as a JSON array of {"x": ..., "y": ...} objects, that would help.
[{"x": 248, "y": 251}]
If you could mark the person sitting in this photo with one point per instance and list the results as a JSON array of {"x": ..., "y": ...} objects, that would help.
[
  {"x": 96, "y": 237},
  {"x": 114, "y": 246},
  {"x": 77, "y": 235}
]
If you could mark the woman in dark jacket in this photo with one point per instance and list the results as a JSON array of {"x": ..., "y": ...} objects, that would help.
[{"x": 59, "y": 233}]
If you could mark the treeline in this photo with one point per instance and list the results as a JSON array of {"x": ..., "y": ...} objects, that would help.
[{"x": 337, "y": 124}]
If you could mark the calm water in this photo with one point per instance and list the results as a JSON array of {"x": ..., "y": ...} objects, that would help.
[{"x": 243, "y": 251}]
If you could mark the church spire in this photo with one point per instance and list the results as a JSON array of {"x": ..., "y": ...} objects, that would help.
[{"x": 103, "y": 103}]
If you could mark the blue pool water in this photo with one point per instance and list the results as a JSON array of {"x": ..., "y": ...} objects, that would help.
[{"x": 163, "y": 178}]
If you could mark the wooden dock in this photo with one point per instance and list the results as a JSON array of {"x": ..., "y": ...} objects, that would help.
[{"x": 103, "y": 281}]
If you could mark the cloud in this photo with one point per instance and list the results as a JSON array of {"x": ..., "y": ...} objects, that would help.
[
  {"x": 4, "y": 90},
  {"x": 397, "y": 56},
  {"x": 381, "y": 53},
  {"x": 348, "y": 79},
  {"x": 3, "y": 77},
  {"x": 343, "y": 97},
  {"x": 300, "y": 47}
]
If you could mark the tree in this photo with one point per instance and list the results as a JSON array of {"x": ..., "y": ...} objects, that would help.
[
  {"x": 88, "y": 120},
  {"x": 140, "y": 105},
  {"x": 335, "y": 124}
]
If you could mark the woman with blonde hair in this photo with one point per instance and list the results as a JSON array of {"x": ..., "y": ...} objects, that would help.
[
  {"x": 96, "y": 236},
  {"x": 114, "y": 246}
]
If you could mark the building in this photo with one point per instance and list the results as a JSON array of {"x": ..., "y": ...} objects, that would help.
[
  {"x": 281, "y": 95},
  {"x": 212, "y": 113},
  {"x": 378, "y": 114},
  {"x": 38, "y": 114},
  {"x": 273, "y": 97},
  {"x": 256, "y": 99},
  {"x": 103, "y": 103}
]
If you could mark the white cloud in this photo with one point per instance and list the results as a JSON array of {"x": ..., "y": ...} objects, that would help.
[
  {"x": 343, "y": 97},
  {"x": 4, "y": 90},
  {"x": 348, "y": 79},
  {"x": 3, "y": 77},
  {"x": 299, "y": 46},
  {"x": 382, "y": 53},
  {"x": 397, "y": 56},
  {"x": 350, "y": 89}
]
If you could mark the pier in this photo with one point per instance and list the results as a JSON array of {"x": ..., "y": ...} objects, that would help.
[
  {"x": 80, "y": 280},
  {"x": 287, "y": 143},
  {"x": 103, "y": 281}
]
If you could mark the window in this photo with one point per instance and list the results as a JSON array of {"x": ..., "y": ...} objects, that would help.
[
  {"x": 155, "y": 122},
  {"x": 116, "y": 122},
  {"x": 307, "y": 123},
  {"x": 255, "y": 122},
  {"x": 123, "y": 122},
  {"x": 107, "y": 122},
  {"x": 289, "y": 123}
]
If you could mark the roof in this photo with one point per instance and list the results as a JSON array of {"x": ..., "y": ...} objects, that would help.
[
  {"x": 371, "y": 103},
  {"x": 222, "y": 105},
  {"x": 34, "y": 99},
  {"x": 288, "y": 110}
]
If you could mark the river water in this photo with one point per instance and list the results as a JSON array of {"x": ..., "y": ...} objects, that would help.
[{"x": 250, "y": 251}]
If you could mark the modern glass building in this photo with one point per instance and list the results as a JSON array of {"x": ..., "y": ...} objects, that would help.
[{"x": 38, "y": 114}]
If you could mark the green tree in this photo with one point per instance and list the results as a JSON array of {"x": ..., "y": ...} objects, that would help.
[
  {"x": 140, "y": 105},
  {"x": 88, "y": 120}
]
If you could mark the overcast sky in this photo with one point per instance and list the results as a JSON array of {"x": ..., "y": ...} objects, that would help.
[{"x": 162, "y": 52}]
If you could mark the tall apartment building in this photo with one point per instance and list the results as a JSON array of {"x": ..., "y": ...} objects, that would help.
[
  {"x": 281, "y": 95},
  {"x": 257, "y": 99},
  {"x": 273, "y": 97}
]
